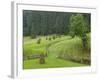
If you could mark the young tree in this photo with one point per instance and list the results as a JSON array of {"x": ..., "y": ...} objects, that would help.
[{"x": 78, "y": 27}]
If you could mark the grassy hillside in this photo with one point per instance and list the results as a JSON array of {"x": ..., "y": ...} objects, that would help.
[{"x": 63, "y": 51}]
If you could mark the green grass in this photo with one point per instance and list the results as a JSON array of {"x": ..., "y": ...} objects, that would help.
[
  {"x": 50, "y": 63},
  {"x": 59, "y": 46},
  {"x": 71, "y": 47},
  {"x": 31, "y": 46}
]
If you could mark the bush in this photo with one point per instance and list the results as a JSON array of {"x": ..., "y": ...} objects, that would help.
[
  {"x": 59, "y": 36},
  {"x": 33, "y": 36},
  {"x": 42, "y": 59},
  {"x": 49, "y": 38},
  {"x": 39, "y": 41},
  {"x": 46, "y": 38},
  {"x": 53, "y": 37},
  {"x": 72, "y": 34}
]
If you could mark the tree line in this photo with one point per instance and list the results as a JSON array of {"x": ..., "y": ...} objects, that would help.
[{"x": 46, "y": 22}]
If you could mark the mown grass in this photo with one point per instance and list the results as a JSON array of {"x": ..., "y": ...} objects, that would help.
[
  {"x": 31, "y": 46},
  {"x": 50, "y": 63},
  {"x": 70, "y": 49},
  {"x": 57, "y": 47}
]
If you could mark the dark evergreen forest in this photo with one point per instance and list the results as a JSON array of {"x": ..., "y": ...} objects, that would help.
[{"x": 44, "y": 22}]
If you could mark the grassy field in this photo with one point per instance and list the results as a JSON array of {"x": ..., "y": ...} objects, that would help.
[{"x": 63, "y": 51}]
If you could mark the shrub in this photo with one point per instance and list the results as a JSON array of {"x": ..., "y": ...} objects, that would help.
[
  {"x": 59, "y": 36},
  {"x": 39, "y": 41},
  {"x": 42, "y": 59},
  {"x": 53, "y": 37},
  {"x": 49, "y": 38},
  {"x": 72, "y": 34},
  {"x": 33, "y": 36},
  {"x": 46, "y": 38}
]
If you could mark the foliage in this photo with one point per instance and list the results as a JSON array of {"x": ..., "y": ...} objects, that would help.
[
  {"x": 71, "y": 33},
  {"x": 50, "y": 38},
  {"x": 53, "y": 37},
  {"x": 79, "y": 27},
  {"x": 45, "y": 23},
  {"x": 39, "y": 41},
  {"x": 33, "y": 36},
  {"x": 42, "y": 59}
]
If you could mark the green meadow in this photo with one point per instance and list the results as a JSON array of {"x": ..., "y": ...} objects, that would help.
[
  {"x": 56, "y": 39},
  {"x": 60, "y": 52}
]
